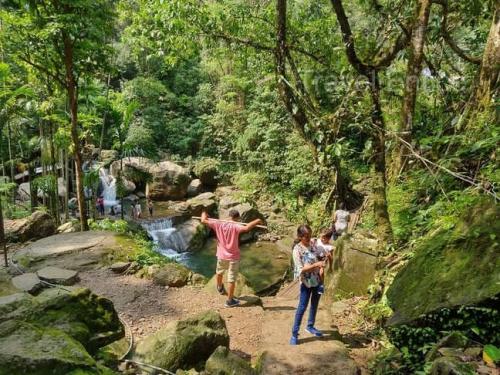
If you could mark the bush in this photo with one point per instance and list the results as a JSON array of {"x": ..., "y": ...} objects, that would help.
[{"x": 207, "y": 170}]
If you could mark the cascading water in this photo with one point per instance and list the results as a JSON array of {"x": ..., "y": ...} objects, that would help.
[
  {"x": 169, "y": 240},
  {"x": 108, "y": 188}
]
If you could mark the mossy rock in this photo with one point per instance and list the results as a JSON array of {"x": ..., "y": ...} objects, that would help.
[
  {"x": 223, "y": 362},
  {"x": 451, "y": 366},
  {"x": 171, "y": 274},
  {"x": 450, "y": 268},
  {"x": 82, "y": 315},
  {"x": 35, "y": 349},
  {"x": 354, "y": 265},
  {"x": 184, "y": 344}
]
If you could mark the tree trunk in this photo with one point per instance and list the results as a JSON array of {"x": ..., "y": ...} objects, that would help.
[
  {"x": 9, "y": 144},
  {"x": 55, "y": 193},
  {"x": 101, "y": 141},
  {"x": 490, "y": 65},
  {"x": 292, "y": 104},
  {"x": 71, "y": 88},
  {"x": 33, "y": 191},
  {"x": 2, "y": 236},
  {"x": 413, "y": 70},
  {"x": 384, "y": 228}
]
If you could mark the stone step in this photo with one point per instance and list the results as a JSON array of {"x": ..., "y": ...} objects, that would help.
[
  {"x": 58, "y": 275},
  {"x": 27, "y": 282}
]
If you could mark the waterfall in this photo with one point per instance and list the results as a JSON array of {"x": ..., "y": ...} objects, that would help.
[
  {"x": 169, "y": 240},
  {"x": 108, "y": 188}
]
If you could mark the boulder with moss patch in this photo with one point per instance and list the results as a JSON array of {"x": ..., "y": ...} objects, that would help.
[
  {"x": 353, "y": 266},
  {"x": 171, "y": 274},
  {"x": 223, "y": 362},
  {"x": 38, "y": 225},
  {"x": 169, "y": 181},
  {"x": 184, "y": 344},
  {"x": 55, "y": 332},
  {"x": 451, "y": 268}
]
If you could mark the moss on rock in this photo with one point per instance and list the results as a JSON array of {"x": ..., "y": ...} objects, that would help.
[
  {"x": 223, "y": 362},
  {"x": 451, "y": 268},
  {"x": 184, "y": 344}
]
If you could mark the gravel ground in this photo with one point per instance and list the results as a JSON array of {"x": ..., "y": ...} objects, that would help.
[{"x": 147, "y": 307}]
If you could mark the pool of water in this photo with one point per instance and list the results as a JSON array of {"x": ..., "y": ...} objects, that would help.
[{"x": 262, "y": 263}]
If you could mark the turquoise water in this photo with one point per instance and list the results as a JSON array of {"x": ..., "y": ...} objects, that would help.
[{"x": 262, "y": 263}]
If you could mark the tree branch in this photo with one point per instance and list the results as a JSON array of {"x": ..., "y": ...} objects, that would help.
[
  {"x": 449, "y": 40},
  {"x": 348, "y": 39},
  {"x": 43, "y": 69}
]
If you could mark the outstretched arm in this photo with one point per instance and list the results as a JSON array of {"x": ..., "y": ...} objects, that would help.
[
  {"x": 204, "y": 218},
  {"x": 249, "y": 226}
]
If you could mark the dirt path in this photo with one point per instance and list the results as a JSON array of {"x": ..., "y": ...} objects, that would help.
[
  {"x": 325, "y": 355},
  {"x": 147, "y": 307}
]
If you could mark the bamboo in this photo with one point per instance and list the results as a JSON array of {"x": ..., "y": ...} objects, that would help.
[{"x": 230, "y": 221}]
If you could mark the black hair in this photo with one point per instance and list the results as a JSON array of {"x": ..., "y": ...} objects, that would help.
[
  {"x": 326, "y": 232},
  {"x": 301, "y": 231},
  {"x": 234, "y": 214}
]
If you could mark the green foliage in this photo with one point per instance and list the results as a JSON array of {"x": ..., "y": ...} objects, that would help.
[
  {"x": 118, "y": 226},
  {"x": 47, "y": 184}
]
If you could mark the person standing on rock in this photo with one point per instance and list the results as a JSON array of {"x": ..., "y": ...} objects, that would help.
[
  {"x": 228, "y": 250},
  {"x": 307, "y": 269},
  {"x": 150, "y": 207}
]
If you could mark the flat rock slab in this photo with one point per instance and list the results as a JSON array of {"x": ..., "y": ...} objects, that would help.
[
  {"x": 61, "y": 244},
  {"x": 58, "y": 275},
  {"x": 119, "y": 267},
  {"x": 27, "y": 282}
]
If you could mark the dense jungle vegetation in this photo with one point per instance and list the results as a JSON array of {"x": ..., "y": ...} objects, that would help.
[{"x": 387, "y": 105}]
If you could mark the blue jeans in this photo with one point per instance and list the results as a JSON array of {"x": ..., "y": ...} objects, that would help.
[{"x": 305, "y": 294}]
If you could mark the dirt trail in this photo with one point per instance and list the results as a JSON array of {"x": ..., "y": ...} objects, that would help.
[{"x": 313, "y": 355}]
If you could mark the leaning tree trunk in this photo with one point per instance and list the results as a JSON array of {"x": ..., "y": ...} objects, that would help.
[
  {"x": 71, "y": 88},
  {"x": 410, "y": 91},
  {"x": 383, "y": 223}
]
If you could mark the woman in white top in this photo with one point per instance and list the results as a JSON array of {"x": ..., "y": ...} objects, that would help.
[{"x": 341, "y": 218}]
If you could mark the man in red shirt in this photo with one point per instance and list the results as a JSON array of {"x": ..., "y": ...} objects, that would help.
[{"x": 228, "y": 250}]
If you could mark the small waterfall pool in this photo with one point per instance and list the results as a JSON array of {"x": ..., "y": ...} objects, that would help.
[{"x": 262, "y": 263}]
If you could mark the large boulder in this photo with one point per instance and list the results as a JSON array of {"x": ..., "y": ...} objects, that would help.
[
  {"x": 38, "y": 225},
  {"x": 169, "y": 181},
  {"x": 32, "y": 349},
  {"x": 130, "y": 166},
  {"x": 354, "y": 265},
  {"x": 23, "y": 191},
  {"x": 202, "y": 202},
  {"x": 194, "y": 234},
  {"x": 171, "y": 274},
  {"x": 195, "y": 187},
  {"x": 55, "y": 331},
  {"x": 84, "y": 316},
  {"x": 184, "y": 344},
  {"x": 207, "y": 171},
  {"x": 108, "y": 156},
  {"x": 223, "y": 362},
  {"x": 451, "y": 268}
]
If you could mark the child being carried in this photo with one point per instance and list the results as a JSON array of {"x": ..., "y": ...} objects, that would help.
[{"x": 323, "y": 251}]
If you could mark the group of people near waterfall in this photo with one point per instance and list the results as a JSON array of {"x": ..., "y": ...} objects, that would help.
[
  {"x": 135, "y": 207},
  {"x": 310, "y": 257}
]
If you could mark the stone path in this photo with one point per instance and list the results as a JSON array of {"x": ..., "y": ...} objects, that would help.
[{"x": 326, "y": 355}]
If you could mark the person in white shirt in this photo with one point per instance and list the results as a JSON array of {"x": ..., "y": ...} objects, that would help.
[
  {"x": 138, "y": 210},
  {"x": 341, "y": 218}
]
